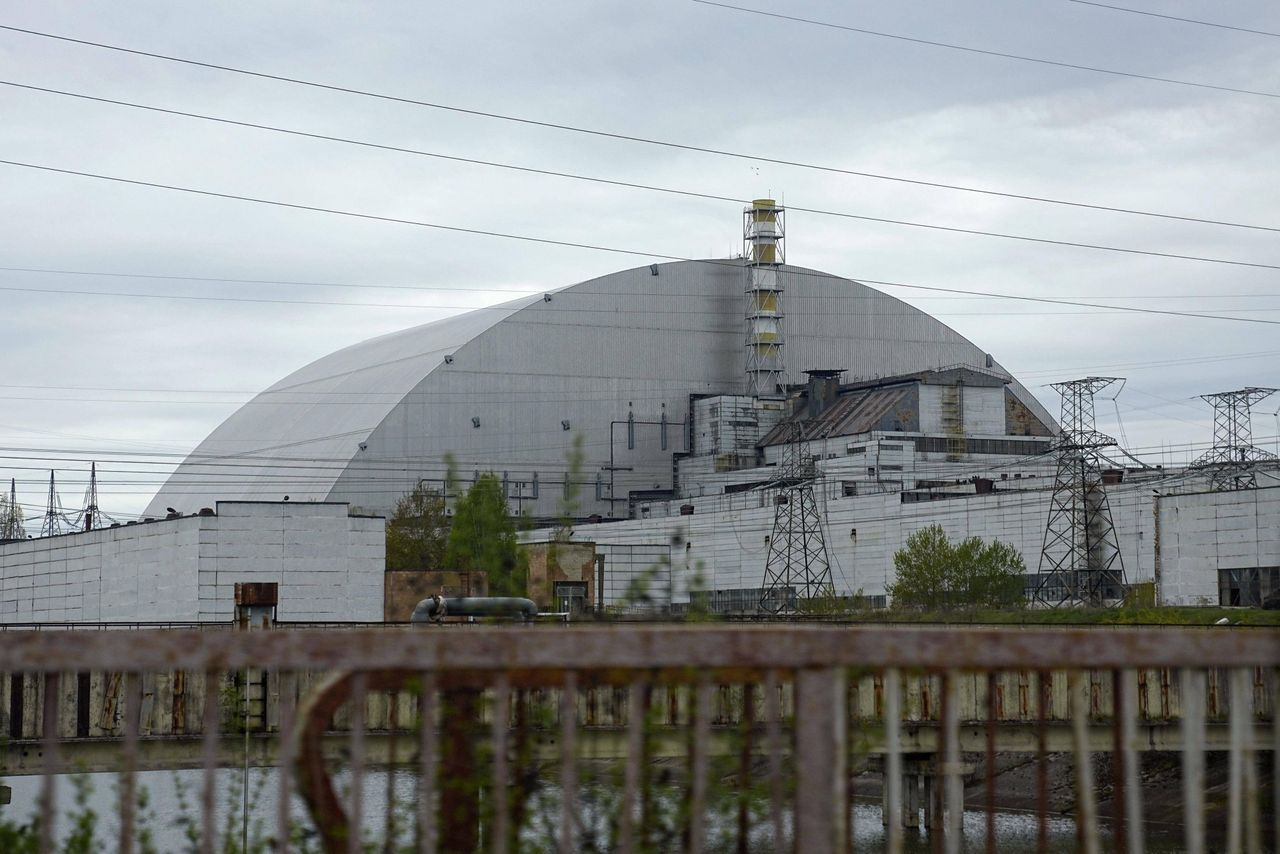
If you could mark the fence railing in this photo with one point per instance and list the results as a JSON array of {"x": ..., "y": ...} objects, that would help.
[{"x": 716, "y": 737}]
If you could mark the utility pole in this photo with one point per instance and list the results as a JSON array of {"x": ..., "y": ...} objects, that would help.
[
  {"x": 1080, "y": 562},
  {"x": 1233, "y": 460},
  {"x": 797, "y": 569}
]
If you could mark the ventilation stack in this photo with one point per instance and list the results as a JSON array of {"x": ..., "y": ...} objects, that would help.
[{"x": 763, "y": 249}]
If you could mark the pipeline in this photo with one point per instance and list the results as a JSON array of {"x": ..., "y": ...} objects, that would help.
[{"x": 436, "y": 608}]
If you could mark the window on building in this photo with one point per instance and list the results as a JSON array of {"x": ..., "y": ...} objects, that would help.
[{"x": 1247, "y": 587}]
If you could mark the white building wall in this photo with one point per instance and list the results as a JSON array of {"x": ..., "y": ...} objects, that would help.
[
  {"x": 329, "y": 567},
  {"x": 727, "y": 546},
  {"x": 1201, "y": 533},
  {"x": 645, "y": 566}
]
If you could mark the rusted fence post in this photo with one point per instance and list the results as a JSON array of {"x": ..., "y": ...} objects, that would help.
[
  {"x": 459, "y": 770},
  {"x": 820, "y": 760}
]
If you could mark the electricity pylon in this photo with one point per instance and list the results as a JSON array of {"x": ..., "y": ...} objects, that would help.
[
  {"x": 11, "y": 527},
  {"x": 797, "y": 569},
  {"x": 91, "y": 516},
  {"x": 54, "y": 522},
  {"x": 1232, "y": 461},
  {"x": 1080, "y": 562}
]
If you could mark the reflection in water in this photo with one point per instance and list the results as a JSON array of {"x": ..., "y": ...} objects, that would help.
[{"x": 170, "y": 811}]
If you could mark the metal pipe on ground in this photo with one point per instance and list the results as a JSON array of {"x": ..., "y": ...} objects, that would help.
[{"x": 436, "y": 608}]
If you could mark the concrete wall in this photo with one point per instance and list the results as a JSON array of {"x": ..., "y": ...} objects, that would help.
[
  {"x": 1203, "y": 532},
  {"x": 329, "y": 566},
  {"x": 724, "y": 540},
  {"x": 405, "y": 588},
  {"x": 552, "y": 562}
]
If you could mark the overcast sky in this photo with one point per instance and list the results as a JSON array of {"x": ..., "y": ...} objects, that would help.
[{"x": 85, "y": 375}]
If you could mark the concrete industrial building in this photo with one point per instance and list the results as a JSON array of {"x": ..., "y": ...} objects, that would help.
[
  {"x": 680, "y": 380},
  {"x": 328, "y": 563}
]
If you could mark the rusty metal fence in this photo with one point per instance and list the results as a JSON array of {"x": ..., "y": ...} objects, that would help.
[{"x": 757, "y": 730}]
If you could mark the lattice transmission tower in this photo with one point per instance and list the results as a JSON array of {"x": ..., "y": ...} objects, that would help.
[
  {"x": 54, "y": 522},
  {"x": 91, "y": 516},
  {"x": 11, "y": 527},
  {"x": 1232, "y": 462},
  {"x": 797, "y": 569},
  {"x": 1080, "y": 563}
]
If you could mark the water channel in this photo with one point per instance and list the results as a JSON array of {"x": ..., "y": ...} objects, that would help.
[{"x": 173, "y": 811}]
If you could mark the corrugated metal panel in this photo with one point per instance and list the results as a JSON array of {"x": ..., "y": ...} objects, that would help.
[{"x": 626, "y": 342}]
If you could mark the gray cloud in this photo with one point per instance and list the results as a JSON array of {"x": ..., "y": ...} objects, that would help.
[{"x": 671, "y": 70}]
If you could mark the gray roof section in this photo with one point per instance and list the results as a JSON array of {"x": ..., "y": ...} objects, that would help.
[{"x": 296, "y": 437}]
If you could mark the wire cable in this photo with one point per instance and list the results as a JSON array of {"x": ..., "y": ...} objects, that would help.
[
  {"x": 1176, "y": 18},
  {"x": 631, "y": 137},
  {"x": 906, "y": 311},
  {"x": 614, "y": 250},
  {"x": 527, "y": 293},
  {"x": 616, "y": 183},
  {"x": 983, "y": 51}
]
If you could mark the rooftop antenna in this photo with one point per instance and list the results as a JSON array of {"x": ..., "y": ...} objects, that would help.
[
  {"x": 1232, "y": 461},
  {"x": 1080, "y": 562},
  {"x": 53, "y": 524}
]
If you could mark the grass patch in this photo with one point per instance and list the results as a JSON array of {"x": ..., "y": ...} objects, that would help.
[{"x": 1148, "y": 616}]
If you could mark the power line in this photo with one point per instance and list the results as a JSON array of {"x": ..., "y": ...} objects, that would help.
[
  {"x": 613, "y": 250},
  {"x": 294, "y": 282},
  {"x": 983, "y": 51},
  {"x": 630, "y": 137},
  {"x": 617, "y": 183},
  {"x": 538, "y": 292},
  {"x": 251, "y": 459},
  {"x": 479, "y": 395},
  {"x": 1108, "y": 311},
  {"x": 1136, "y": 309},
  {"x": 1176, "y": 18}
]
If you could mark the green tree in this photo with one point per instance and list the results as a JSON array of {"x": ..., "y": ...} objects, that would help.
[
  {"x": 417, "y": 530},
  {"x": 482, "y": 538},
  {"x": 931, "y": 573},
  {"x": 570, "y": 502}
]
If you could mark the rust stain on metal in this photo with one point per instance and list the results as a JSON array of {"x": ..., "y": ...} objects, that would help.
[
  {"x": 1144, "y": 711},
  {"x": 1166, "y": 678},
  {"x": 178, "y": 714},
  {"x": 692, "y": 648}
]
